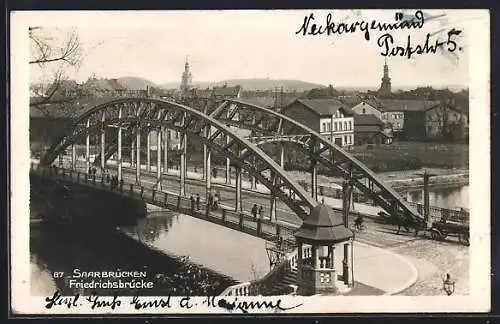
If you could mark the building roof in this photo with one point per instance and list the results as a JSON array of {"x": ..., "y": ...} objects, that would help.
[
  {"x": 367, "y": 119},
  {"x": 324, "y": 224},
  {"x": 350, "y": 100},
  {"x": 106, "y": 84},
  {"x": 406, "y": 105},
  {"x": 325, "y": 107},
  {"x": 224, "y": 91},
  {"x": 71, "y": 109}
]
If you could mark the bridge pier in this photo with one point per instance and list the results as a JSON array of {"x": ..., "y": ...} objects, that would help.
[
  {"x": 103, "y": 142},
  {"x": 238, "y": 206},
  {"x": 253, "y": 181},
  {"x": 166, "y": 140},
  {"x": 314, "y": 179},
  {"x": 182, "y": 191},
  {"x": 148, "y": 150},
  {"x": 119, "y": 151},
  {"x": 272, "y": 209},
  {"x": 208, "y": 178},
  {"x": 73, "y": 157},
  {"x": 158, "y": 160},
  {"x": 87, "y": 147},
  {"x": 132, "y": 153},
  {"x": 138, "y": 157}
]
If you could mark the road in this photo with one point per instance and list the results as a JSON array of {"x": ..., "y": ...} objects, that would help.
[{"x": 376, "y": 234}]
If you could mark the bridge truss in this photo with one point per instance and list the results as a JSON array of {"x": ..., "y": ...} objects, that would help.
[{"x": 137, "y": 116}]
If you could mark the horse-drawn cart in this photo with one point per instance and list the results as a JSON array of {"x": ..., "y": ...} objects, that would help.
[{"x": 441, "y": 229}]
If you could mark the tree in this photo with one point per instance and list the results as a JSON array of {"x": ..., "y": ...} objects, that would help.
[{"x": 55, "y": 56}]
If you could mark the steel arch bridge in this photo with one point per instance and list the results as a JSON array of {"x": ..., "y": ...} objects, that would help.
[
  {"x": 269, "y": 126},
  {"x": 141, "y": 114}
]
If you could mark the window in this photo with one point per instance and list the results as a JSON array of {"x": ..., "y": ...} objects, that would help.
[
  {"x": 350, "y": 125},
  {"x": 393, "y": 116},
  {"x": 335, "y": 128},
  {"x": 324, "y": 127},
  {"x": 329, "y": 126},
  {"x": 345, "y": 139},
  {"x": 340, "y": 126},
  {"x": 398, "y": 125},
  {"x": 345, "y": 126},
  {"x": 364, "y": 111},
  {"x": 176, "y": 135}
]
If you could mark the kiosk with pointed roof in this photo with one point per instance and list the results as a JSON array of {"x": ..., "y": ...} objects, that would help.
[{"x": 318, "y": 239}]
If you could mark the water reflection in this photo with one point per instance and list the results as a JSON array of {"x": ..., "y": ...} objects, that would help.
[
  {"x": 238, "y": 255},
  {"x": 89, "y": 248},
  {"x": 446, "y": 197}
]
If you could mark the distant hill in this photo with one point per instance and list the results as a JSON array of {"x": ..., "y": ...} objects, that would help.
[
  {"x": 135, "y": 83},
  {"x": 253, "y": 84}
]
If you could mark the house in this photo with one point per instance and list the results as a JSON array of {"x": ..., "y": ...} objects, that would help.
[
  {"x": 396, "y": 113},
  {"x": 329, "y": 117},
  {"x": 446, "y": 121},
  {"x": 368, "y": 107},
  {"x": 368, "y": 129}
]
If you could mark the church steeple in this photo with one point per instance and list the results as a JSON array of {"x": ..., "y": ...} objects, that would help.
[
  {"x": 186, "y": 79},
  {"x": 385, "y": 87}
]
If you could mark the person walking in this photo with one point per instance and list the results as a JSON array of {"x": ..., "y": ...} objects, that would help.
[
  {"x": 192, "y": 203},
  {"x": 216, "y": 202},
  {"x": 197, "y": 202},
  {"x": 254, "y": 211},
  {"x": 261, "y": 211}
]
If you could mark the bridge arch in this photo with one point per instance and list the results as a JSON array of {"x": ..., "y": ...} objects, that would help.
[
  {"x": 128, "y": 113},
  {"x": 269, "y": 126}
]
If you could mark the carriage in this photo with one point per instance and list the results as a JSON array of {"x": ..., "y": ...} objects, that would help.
[{"x": 441, "y": 229}]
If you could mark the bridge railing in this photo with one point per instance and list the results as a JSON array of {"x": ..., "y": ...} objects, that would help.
[
  {"x": 241, "y": 221},
  {"x": 435, "y": 213}
]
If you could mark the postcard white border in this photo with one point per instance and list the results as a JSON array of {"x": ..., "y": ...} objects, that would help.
[{"x": 479, "y": 298}]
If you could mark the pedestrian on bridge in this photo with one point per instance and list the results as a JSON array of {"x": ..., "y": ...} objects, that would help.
[
  {"x": 197, "y": 201},
  {"x": 216, "y": 202},
  {"x": 210, "y": 200},
  {"x": 107, "y": 177},
  {"x": 254, "y": 211},
  {"x": 192, "y": 203},
  {"x": 261, "y": 211}
]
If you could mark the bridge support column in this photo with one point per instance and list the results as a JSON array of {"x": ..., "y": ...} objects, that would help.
[
  {"x": 166, "y": 140},
  {"x": 282, "y": 156},
  {"x": 158, "y": 160},
  {"x": 314, "y": 180},
  {"x": 346, "y": 201},
  {"x": 119, "y": 151},
  {"x": 148, "y": 151},
  {"x": 103, "y": 142},
  {"x": 87, "y": 147},
  {"x": 138, "y": 157},
  {"x": 182, "y": 191},
  {"x": 253, "y": 182},
  {"x": 73, "y": 157},
  {"x": 208, "y": 178},
  {"x": 272, "y": 209},
  {"x": 228, "y": 167},
  {"x": 238, "y": 206},
  {"x": 132, "y": 149}
]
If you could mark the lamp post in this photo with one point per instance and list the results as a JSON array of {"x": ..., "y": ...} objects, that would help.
[{"x": 426, "y": 204}]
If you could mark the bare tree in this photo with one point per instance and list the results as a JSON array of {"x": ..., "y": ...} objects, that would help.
[{"x": 58, "y": 57}]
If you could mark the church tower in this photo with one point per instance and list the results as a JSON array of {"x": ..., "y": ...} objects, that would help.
[
  {"x": 187, "y": 79},
  {"x": 385, "y": 87}
]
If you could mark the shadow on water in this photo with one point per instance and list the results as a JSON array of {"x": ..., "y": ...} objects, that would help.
[{"x": 95, "y": 245}]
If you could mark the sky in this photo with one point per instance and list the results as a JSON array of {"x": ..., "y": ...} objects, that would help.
[{"x": 254, "y": 44}]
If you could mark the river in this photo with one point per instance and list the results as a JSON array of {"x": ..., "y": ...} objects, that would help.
[
  {"x": 228, "y": 255},
  {"x": 451, "y": 197}
]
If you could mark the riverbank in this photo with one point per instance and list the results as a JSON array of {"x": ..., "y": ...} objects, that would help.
[{"x": 399, "y": 180}]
